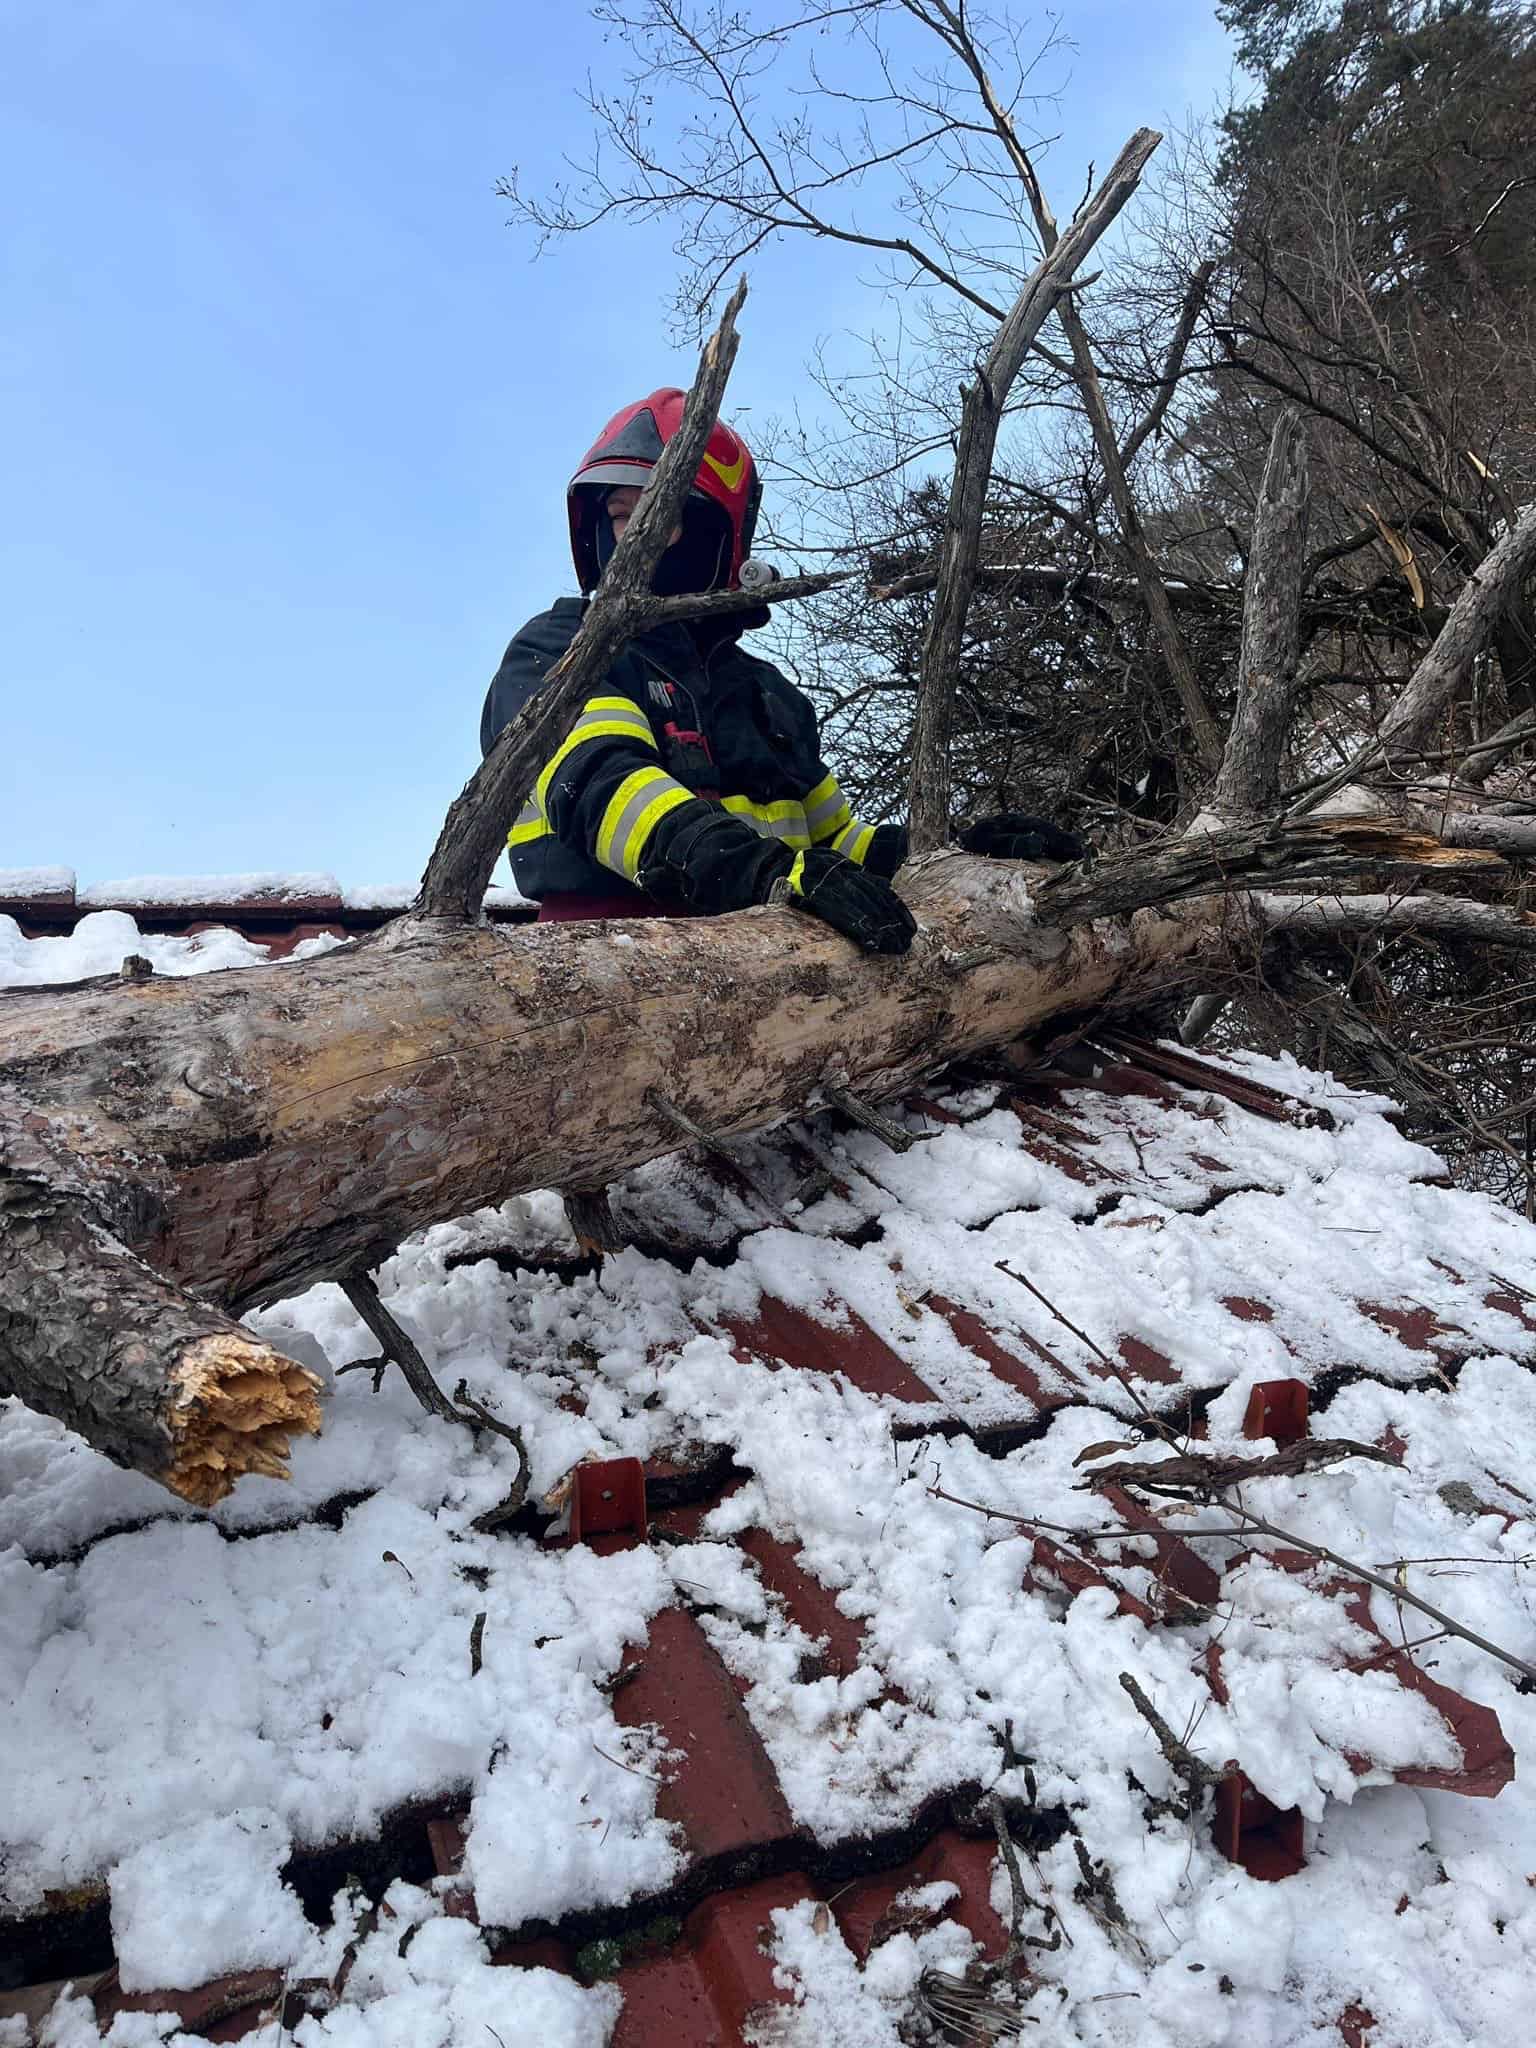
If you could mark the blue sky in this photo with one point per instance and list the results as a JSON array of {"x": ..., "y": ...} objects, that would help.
[{"x": 288, "y": 410}]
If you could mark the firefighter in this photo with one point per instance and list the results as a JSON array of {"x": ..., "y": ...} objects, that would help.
[{"x": 692, "y": 781}]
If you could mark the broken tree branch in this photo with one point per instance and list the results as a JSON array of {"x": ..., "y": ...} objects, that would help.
[
  {"x": 90, "y": 1333},
  {"x": 1267, "y": 663},
  {"x": 1205, "y": 1476},
  {"x": 1445, "y": 670},
  {"x": 981, "y": 415},
  {"x": 1439, "y": 917},
  {"x": 1195, "y": 862},
  {"x": 1443, "y": 673},
  {"x": 397, "y": 1345}
]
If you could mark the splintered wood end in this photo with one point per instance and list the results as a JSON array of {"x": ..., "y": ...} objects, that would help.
[
  {"x": 1392, "y": 841},
  {"x": 237, "y": 1406}
]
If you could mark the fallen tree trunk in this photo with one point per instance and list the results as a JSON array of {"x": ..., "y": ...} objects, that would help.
[
  {"x": 140, "y": 1368},
  {"x": 229, "y": 1138}
]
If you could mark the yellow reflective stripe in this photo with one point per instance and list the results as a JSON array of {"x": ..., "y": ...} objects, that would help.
[
  {"x": 530, "y": 823},
  {"x": 854, "y": 840},
  {"x": 784, "y": 819},
  {"x": 796, "y": 875},
  {"x": 826, "y": 810},
  {"x": 601, "y": 718},
  {"x": 633, "y": 812},
  {"x": 788, "y": 810}
]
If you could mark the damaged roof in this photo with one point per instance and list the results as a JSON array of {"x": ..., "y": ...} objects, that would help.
[{"x": 825, "y": 1684}]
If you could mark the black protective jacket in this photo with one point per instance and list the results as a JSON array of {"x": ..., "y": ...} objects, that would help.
[{"x": 683, "y": 712}]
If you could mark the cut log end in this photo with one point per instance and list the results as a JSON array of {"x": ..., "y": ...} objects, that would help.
[{"x": 237, "y": 1407}]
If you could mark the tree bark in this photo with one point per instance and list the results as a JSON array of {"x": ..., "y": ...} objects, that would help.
[
  {"x": 1443, "y": 674},
  {"x": 959, "y": 552},
  {"x": 237, "y": 1136},
  {"x": 1440, "y": 917},
  {"x": 1267, "y": 662},
  {"x": 91, "y": 1334},
  {"x": 1514, "y": 837}
]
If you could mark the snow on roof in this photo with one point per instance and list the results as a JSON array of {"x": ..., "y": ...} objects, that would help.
[
  {"x": 53, "y": 931},
  {"x": 180, "y": 891},
  {"x": 726, "y": 1780},
  {"x": 31, "y": 885}
]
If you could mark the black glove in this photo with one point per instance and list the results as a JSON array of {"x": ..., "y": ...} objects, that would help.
[
  {"x": 712, "y": 861},
  {"x": 864, "y": 907},
  {"x": 702, "y": 856},
  {"x": 1013, "y": 836},
  {"x": 887, "y": 850}
]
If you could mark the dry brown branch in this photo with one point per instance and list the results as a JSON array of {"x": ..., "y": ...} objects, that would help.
[{"x": 1205, "y": 1476}]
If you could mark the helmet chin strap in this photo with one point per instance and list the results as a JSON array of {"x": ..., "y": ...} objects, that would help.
[{"x": 604, "y": 539}]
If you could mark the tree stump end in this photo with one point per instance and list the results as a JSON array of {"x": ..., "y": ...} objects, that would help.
[{"x": 237, "y": 1407}]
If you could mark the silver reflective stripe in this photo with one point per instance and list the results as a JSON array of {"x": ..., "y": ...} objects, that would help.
[
  {"x": 790, "y": 829},
  {"x": 530, "y": 824},
  {"x": 616, "y": 835},
  {"x": 821, "y": 816}
]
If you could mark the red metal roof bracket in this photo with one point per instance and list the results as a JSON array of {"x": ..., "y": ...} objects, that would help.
[
  {"x": 1277, "y": 1409},
  {"x": 1355, "y": 2023},
  {"x": 1254, "y": 1833},
  {"x": 608, "y": 1499}
]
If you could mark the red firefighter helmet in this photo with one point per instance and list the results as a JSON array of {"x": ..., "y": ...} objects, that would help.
[{"x": 726, "y": 491}]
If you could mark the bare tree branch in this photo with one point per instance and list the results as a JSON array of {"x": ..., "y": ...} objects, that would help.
[
  {"x": 1443, "y": 917},
  {"x": 1266, "y": 673},
  {"x": 960, "y": 548}
]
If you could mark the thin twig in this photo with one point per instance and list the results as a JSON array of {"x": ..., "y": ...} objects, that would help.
[
  {"x": 1121, "y": 1535},
  {"x": 1182, "y": 1761},
  {"x": 1112, "y": 1366},
  {"x": 476, "y": 1415},
  {"x": 633, "y": 1769},
  {"x": 362, "y": 1291},
  {"x": 1387, "y": 1586}
]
